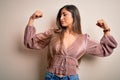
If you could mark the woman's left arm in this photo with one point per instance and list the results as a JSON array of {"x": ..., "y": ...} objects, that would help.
[{"x": 106, "y": 45}]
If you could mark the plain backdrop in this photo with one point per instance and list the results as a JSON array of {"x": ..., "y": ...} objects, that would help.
[{"x": 19, "y": 63}]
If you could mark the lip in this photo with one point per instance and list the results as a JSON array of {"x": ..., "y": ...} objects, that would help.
[{"x": 62, "y": 22}]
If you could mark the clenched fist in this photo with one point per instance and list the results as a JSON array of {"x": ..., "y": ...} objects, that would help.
[
  {"x": 101, "y": 23},
  {"x": 37, "y": 14}
]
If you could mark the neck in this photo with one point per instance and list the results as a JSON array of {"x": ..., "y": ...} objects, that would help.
[{"x": 69, "y": 30}]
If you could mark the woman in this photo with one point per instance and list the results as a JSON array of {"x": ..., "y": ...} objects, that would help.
[{"x": 67, "y": 44}]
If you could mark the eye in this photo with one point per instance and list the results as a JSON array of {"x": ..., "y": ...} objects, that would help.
[{"x": 64, "y": 14}]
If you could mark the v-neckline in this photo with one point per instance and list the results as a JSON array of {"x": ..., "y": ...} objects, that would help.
[{"x": 66, "y": 48}]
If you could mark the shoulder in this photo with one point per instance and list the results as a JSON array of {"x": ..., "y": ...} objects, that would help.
[{"x": 84, "y": 35}]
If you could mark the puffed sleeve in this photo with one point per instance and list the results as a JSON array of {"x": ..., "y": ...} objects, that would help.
[
  {"x": 36, "y": 41},
  {"x": 103, "y": 48}
]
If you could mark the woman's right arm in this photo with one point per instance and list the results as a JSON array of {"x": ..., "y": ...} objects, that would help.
[{"x": 33, "y": 40}]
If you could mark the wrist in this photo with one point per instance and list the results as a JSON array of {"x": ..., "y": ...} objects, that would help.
[
  {"x": 31, "y": 18},
  {"x": 106, "y": 30}
]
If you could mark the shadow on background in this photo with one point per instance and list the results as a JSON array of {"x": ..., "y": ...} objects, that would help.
[{"x": 37, "y": 56}]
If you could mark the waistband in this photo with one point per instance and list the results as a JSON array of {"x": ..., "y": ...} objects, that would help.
[{"x": 56, "y": 77}]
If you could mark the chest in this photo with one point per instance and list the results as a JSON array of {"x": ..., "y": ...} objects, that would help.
[
  {"x": 69, "y": 40},
  {"x": 72, "y": 46}
]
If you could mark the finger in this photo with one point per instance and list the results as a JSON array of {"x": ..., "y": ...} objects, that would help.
[{"x": 38, "y": 16}]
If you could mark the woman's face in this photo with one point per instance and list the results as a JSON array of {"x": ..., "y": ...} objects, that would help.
[{"x": 66, "y": 18}]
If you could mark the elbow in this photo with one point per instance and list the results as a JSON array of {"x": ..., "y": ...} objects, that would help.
[
  {"x": 107, "y": 49},
  {"x": 110, "y": 50},
  {"x": 30, "y": 45},
  {"x": 115, "y": 44},
  {"x": 107, "y": 52},
  {"x": 27, "y": 45}
]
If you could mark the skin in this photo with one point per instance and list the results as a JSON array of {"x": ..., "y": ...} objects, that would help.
[{"x": 67, "y": 21}]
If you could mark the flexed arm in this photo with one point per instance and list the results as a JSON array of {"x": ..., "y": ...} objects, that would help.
[
  {"x": 33, "y": 40},
  {"x": 106, "y": 45}
]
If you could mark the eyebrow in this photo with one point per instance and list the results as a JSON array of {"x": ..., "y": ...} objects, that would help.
[{"x": 64, "y": 13}]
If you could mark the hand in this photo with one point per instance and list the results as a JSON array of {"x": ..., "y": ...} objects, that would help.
[
  {"x": 37, "y": 14},
  {"x": 101, "y": 23}
]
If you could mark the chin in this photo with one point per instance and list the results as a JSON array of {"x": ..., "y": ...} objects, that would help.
[{"x": 63, "y": 25}]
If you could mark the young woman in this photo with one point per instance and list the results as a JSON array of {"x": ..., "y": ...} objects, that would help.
[{"x": 67, "y": 44}]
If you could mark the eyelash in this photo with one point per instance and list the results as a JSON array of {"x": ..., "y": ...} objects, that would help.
[{"x": 64, "y": 14}]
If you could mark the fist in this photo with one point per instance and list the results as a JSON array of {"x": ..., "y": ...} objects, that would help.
[
  {"x": 37, "y": 14},
  {"x": 101, "y": 23}
]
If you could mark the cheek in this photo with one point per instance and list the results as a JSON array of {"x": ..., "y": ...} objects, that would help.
[{"x": 70, "y": 20}]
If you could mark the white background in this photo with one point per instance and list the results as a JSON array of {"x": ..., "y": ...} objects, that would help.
[{"x": 19, "y": 63}]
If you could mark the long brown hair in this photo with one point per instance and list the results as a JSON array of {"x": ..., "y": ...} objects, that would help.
[{"x": 76, "y": 22}]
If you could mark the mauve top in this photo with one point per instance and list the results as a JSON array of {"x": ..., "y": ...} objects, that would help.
[{"x": 64, "y": 61}]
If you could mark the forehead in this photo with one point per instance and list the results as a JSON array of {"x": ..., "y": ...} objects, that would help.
[{"x": 65, "y": 11}]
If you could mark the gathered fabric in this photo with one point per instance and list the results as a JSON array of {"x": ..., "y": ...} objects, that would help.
[
  {"x": 63, "y": 65},
  {"x": 64, "y": 61}
]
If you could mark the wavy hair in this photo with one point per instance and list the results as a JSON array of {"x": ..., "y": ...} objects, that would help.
[
  {"x": 76, "y": 19},
  {"x": 76, "y": 22}
]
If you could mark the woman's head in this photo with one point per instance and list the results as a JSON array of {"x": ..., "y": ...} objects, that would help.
[{"x": 68, "y": 16}]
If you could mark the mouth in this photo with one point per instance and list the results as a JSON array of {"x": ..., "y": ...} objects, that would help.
[{"x": 62, "y": 22}]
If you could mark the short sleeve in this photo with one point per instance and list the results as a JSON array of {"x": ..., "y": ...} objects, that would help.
[
  {"x": 103, "y": 48},
  {"x": 36, "y": 41}
]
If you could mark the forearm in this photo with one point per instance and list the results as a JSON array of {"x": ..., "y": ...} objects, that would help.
[
  {"x": 28, "y": 35},
  {"x": 30, "y": 22}
]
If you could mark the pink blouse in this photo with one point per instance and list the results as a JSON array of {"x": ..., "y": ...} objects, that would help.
[{"x": 64, "y": 61}]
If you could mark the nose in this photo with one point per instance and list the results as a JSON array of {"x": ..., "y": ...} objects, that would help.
[{"x": 61, "y": 18}]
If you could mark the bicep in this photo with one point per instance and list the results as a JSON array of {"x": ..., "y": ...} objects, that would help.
[
  {"x": 94, "y": 48},
  {"x": 36, "y": 41}
]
